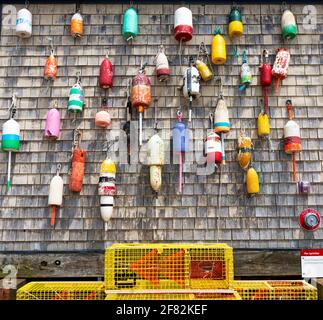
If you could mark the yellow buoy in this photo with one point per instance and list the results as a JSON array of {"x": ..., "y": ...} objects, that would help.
[
  {"x": 252, "y": 182},
  {"x": 263, "y": 125},
  {"x": 219, "y": 54},
  {"x": 235, "y": 23},
  {"x": 205, "y": 72}
]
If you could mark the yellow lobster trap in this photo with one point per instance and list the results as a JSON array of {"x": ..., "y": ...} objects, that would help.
[
  {"x": 292, "y": 290},
  {"x": 253, "y": 290},
  {"x": 62, "y": 291},
  {"x": 168, "y": 266}
]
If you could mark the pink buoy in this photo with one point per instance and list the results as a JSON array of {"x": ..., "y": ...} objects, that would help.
[{"x": 53, "y": 123}]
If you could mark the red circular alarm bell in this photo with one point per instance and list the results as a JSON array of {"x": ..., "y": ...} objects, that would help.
[{"x": 309, "y": 220}]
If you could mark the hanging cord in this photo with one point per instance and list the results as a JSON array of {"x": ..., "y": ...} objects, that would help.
[
  {"x": 219, "y": 205},
  {"x": 203, "y": 52},
  {"x": 180, "y": 180},
  {"x": 13, "y": 106},
  {"x": 155, "y": 111},
  {"x": 180, "y": 53}
]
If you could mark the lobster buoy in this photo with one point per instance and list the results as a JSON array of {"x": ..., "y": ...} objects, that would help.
[
  {"x": 102, "y": 118},
  {"x": 213, "y": 148},
  {"x": 24, "y": 23},
  {"x": 55, "y": 197},
  {"x": 245, "y": 76},
  {"x": 78, "y": 166},
  {"x": 180, "y": 144},
  {"x": 107, "y": 189},
  {"x": 76, "y": 98},
  {"x": 252, "y": 182},
  {"x": 106, "y": 73},
  {"x": 263, "y": 125},
  {"x": 281, "y": 64},
  {"x": 53, "y": 124},
  {"x": 244, "y": 151},
  {"x": 155, "y": 160},
  {"x": 288, "y": 24},
  {"x": 292, "y": 137},
  {"x": 221, "y": 122},
  {"x": 77, "y": 25},
  {"x": 11, "y": 136},
  {"x": 191, "y": 87},
  {"x": 218, "y": 49},
  {"x": 235, "y": 23},
  {"x": 205, "y": 72},
  {"x": 140, "y": 96},
  {"x": 50, "y": 70},
  {"x": 183, "y": 24},
  {"x": 265, "y": 78},
  {"x": 130, "y": 24},
  {"x": 162, "y": 66}
]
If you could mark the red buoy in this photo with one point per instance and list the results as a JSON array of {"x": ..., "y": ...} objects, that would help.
[{"x": 106, "y": 73}]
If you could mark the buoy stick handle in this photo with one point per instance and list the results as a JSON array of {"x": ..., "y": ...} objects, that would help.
[
  {"x": 52, "y": 220},
  {"x": 140, "y": 128},
  {"x": 266, "y": 100},
  {"x": 190, "y": 110},
  {"x": 277, "y": 84},
  {"x": 294, "y": 167},
  {"x": 9, "y": 170},
  {"x": 222, "y": 147},
  {"x": 180, "y": 172}
]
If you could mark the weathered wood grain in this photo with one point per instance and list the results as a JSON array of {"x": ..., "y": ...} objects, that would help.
[{"x": 247, "y": 263}]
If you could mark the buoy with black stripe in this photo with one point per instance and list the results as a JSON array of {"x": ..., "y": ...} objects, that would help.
[
  {"x": 11, "y": 136},
  {"x": 55, "y": 196},
  {"x": 162, "y": 65},
  {"x": 76, "y": 97},
  {"x": 292, "y": 137},
  {"x": 107, "y": 189},
  {"x": 24, "y": 23},
  {"x": 245, "y": 147}
]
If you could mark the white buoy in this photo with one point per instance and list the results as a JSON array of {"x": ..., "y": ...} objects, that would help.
[{"x": 24, "y": 23}]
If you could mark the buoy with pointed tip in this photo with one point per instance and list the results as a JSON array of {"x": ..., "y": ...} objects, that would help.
[
  {"x": 244, "y": 151},
  {"x": 24, "y": 23},
  {"x": 162, "y": 65},
  {"x": 235, "y": 23},
  {"x": 281, "y": 65},
  {"x": 141, "y": 96},
  {"x": 180, "y": 144},
  {"x": 252, "y": 182},
  {"x": 183, "y": 24},
  {"x": 288, "y": 24},
  {"x": 102, "y": 118},
  {"x": 218, "y": 49},
  {"x": 52, "y": 124},
  {"x": 106, "y": 73},
  {"x": 77, "y": 25},
  {"x": 55, "y": 196},
  {"x": 265, "y": 78},
  {"x": 155, "y": 161},
  {"x": 107, "y": 189},
  {"x": 130, "y": 24}
]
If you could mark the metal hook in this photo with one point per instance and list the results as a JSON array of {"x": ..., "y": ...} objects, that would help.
[
  {"x": 111, "y": 143},
  {"x": 107, "y": 53},
  {"x": 78, "y": 76},
  {"x": 26, "y": 4},
  {"x": 283, "y": 6},
  {"x": 58, "y": 168}
]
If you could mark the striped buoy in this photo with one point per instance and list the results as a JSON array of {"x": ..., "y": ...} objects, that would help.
[
  {"x": 244, "y": 151},
  {"x": 76, "y": 98},
  {"x": 107, "y": 189},
  {"x": 288, "y": 24}
]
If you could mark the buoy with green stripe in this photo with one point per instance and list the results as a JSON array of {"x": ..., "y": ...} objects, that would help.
[
  {"x": 289, "y": 27},
  {"x": 11, "y": 136},
  {"x": 76, "y": 97}
]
